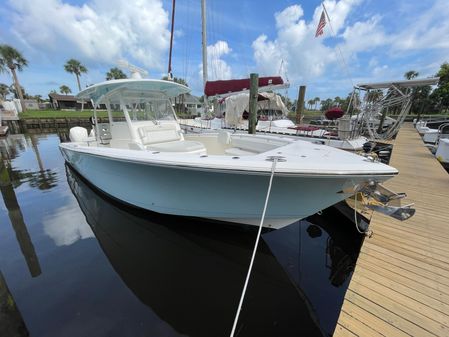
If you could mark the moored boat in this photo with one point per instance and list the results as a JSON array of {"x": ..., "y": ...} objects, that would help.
[{"x": 149, "y": 163}]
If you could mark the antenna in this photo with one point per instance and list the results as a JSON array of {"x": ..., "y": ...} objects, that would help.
[{"x": 136, "y": 72}]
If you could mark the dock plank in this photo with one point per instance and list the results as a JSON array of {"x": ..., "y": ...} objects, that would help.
[{"x": 400, "y": 286}]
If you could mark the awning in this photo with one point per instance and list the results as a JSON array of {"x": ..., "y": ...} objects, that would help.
[
  {"x": 401, "y": 84},
  {"x": 132, "y": 88},
  {"x": 214, "y": 88}
]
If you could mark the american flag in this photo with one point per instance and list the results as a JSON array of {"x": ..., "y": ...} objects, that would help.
[{"x": 321, "y": 24}]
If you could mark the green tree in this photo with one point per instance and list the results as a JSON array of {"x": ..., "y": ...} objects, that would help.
[
  {"x": 4, "y": 90},
  {"x": 411, "y": 74},
  {"x": 311, "y": 102},
  {"x": 73, "y": 66},
  {"x": 177, "y": 80},
  {"x": 440, "y": 95},
  {"x": 326, "y": 104},
  {"x": 115, "y": 74},
  {"x": 337, "y": 101},
  {"x": 13, "y": 60},
  {"x": 63, "y": 89}
]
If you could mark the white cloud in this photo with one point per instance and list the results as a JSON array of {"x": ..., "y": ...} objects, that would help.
[
  {"x": 67, "y": 225},
  {"x": 380, "y": 70},
  {"x": 100, "y": 30},
  {"x": 364, "y": 36},
  {"x": 338, "y": 12},
  {"x": 429, "y": 30},
  {"x": 304, "y": 56},
  {"x": 217, "y": 68}
]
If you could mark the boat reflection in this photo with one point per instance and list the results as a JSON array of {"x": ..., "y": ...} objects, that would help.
[{"x": 191, "y": 274}]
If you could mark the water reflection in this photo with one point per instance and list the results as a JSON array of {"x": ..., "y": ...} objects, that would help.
[
  {"x": 144, "y": 274},
  {"x": 16, "y": 218},
  {"x": 11, "y": 147},
  {"x": 11, "y": 321},
  {"x": 190, "y": 274},
  {"x": 66, "y": 225}
]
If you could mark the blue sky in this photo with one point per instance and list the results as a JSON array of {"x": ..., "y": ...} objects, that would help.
[{"x": 371, "y": 40}]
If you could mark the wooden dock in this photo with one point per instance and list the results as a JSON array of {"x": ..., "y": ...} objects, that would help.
[{"x": 400, "y": 286}]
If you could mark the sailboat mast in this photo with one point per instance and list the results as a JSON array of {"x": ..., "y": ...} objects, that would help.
[
  {"x": 169, "y": 73},
  {"x": 204, "y": 45}
]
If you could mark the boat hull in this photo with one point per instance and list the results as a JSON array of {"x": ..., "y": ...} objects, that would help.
[{"x": 230, "y": 196}]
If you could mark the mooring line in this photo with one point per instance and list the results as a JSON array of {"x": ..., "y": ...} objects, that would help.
[{"x": 242, "y": 297}]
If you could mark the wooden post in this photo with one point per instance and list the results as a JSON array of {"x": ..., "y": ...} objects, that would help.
[
  {"x": 300, "y": 103},
  {"x": 253, "y": 93}
]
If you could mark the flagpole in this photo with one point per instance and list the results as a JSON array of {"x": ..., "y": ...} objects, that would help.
[{"x": 339, "y": 50}]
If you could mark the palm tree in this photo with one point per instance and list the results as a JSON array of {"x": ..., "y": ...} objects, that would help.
[
  {"x": 411, "y": 74},
  {"x": 316, "y": 99},
  {"x": 310, "y": 102},
  {"x": 75, "y": 67},
  {"x": 115, "y": 74},
  {"x": 4, "y": 90},
  {"x": 12, "y": 59},
  {"x": 326, "y": 104},
  {"x": 65, "y": 89}
]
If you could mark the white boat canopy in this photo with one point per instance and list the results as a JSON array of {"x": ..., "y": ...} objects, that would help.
[
  {"x": 237, "y": 104},
  {"x": 135, "y": 89},
  {"x": 400, "y": 84}
]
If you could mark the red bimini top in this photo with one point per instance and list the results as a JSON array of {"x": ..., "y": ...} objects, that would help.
[{"x": 213, "y": 88}]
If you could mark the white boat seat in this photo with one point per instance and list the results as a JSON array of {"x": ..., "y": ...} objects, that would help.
[
  {"x": 235, "y": 151},
  {"x": 159, "y": 134},
  {"x": 178, "y": 146}
]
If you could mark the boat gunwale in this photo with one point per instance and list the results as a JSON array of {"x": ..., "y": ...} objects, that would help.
[{"x": 255, "y": 172}]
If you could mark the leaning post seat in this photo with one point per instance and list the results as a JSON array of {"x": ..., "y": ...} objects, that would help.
[{"x": 167, "y": 138}]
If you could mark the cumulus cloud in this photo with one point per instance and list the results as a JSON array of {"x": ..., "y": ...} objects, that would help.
[
  {"x": 67, "y": 225},
  {"x": 217, "y": 68},
  {"x": 100, "y": 30},
  {"x": 364, "y": 36},
  {"x": 303, "y": 55}
]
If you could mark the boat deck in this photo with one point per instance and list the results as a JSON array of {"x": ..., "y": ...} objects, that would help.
[{"x": 400, "y": 286}]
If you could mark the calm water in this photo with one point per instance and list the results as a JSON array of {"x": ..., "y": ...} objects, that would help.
[{"x": 75, "y": 263}]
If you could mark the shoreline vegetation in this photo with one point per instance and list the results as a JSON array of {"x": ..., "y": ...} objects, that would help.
[{"x": 31, "y": 114}]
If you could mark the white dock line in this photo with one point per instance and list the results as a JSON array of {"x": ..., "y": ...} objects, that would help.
[{"x": 242, "y": 297}]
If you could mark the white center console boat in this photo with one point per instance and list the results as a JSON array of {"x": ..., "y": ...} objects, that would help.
[{"x": 146, "y": 161}]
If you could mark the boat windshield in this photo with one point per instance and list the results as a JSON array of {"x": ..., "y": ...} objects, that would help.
[
  {"x": 154, "y": 110},
  {"x": 146, "y": 110}
]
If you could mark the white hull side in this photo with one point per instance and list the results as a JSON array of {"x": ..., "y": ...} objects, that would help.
[{"x": 232, "y": 197}]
